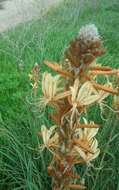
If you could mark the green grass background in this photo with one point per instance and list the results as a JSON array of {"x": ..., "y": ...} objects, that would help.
[{"x": 22, "y": 167}]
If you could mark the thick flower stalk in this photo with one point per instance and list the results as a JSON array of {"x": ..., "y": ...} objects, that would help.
[{"x": 72, "y": 140}]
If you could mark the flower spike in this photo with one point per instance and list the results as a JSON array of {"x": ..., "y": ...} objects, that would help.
[{"x": 72, "y": 139}]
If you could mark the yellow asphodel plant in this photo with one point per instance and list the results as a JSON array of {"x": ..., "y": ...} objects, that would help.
[{"x": 72, "y": 139}]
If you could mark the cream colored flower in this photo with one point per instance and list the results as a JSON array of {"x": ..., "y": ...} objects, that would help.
[
  {"x": 83, "y": 96},
  {"x": 87, "y": 138},
  {"x": 86, "y": 156},
  {"x": 50, "y": 138},
  {"x": 50, "y": 87}
]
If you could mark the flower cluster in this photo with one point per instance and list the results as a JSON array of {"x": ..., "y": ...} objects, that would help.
[
  {"x": 85, "y": 48},
  {"x": 70, "y": 93},
  {"x": 89, "y": 34}
]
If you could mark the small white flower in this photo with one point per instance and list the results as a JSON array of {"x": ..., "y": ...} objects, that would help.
[
  {"x": 83, "y": 96},
  {"x": 89, "y": 33},
  {"x": 50, "y": 138},
  {"x": 88, "y": 157},
  {"x": 87, "y": 137},
  {"x": 50, "y": 87}
]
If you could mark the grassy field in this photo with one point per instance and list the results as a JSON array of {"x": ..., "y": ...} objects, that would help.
[{"x": 22, "y": 167}]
